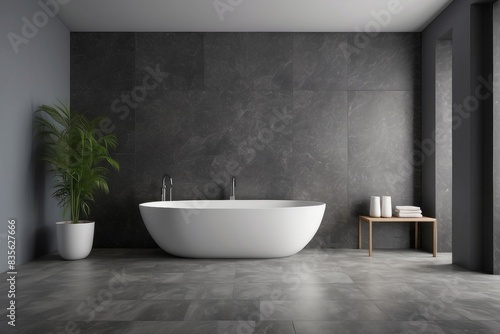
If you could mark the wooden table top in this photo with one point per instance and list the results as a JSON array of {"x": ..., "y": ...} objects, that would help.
[{"x": 397, "y": 219}]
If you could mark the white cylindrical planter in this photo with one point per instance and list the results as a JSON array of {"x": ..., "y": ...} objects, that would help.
[
  {"x": 386, "y": 206},
  {"x": 375, "y": 206},
  {"x": 74, "y": 241}
]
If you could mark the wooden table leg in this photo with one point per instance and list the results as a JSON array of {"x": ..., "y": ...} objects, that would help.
[
  {"x": 434, "y": 237},
  {"x": 416, "y": 235},
  {"x": 359, "y": 234},
  {"x": 370, "y": 241}
]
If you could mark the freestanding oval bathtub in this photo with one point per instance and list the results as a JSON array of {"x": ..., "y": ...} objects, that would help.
[{"x": 232, "y": 229}]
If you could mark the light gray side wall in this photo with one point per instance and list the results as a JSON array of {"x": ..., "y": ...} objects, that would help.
[{"x": 38, "y": 73}]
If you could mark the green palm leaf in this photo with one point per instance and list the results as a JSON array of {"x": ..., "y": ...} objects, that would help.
[{"x": 79, "y": 158}]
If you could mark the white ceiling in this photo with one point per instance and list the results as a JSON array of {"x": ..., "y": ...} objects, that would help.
[{"x": 249, "y": 15}]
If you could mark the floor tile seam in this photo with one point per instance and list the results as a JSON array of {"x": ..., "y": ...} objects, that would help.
[{"x": 451, "y": 306}]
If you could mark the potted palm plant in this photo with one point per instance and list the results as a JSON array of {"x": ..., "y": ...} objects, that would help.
[{"x": 79, "y": 157}]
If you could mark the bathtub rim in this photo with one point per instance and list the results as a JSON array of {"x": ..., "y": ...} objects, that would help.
[{"x": 251, "y": 204}]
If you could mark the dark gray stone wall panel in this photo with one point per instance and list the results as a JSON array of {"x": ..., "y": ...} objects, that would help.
[
  {"x": 102, "y": 61},
  {"x": 320, "y": 160},
  {"x": 319, "y": 62},
  {"x": 178, "y": 55},
  {"x": 384, "y": 62},
  {"x": 272, "y": 109},
  {"x": 380, "y": 159}
]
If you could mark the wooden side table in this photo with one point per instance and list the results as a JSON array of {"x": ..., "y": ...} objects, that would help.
[{"x": 371, "y": 220}]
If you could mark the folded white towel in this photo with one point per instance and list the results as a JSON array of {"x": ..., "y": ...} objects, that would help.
[
  {"x": 408, "y": 215},
  {"x": 407, "y": 208},
  {"x": 408, "y": 211}
]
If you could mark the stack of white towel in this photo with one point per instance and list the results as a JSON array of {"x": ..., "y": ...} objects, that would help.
[{"x": 407, "y": 211}]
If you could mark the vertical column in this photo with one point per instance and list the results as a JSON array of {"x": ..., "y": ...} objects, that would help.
[
  {"x": 444, "y": 156},
  {"x": 496, "y": 139}
]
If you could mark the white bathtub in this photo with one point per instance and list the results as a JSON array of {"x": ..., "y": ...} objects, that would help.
[{"x": 232, "y": 229}]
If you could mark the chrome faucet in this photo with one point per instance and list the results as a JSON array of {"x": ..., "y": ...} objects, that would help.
[
  {"x": 164, "y": 187},
  {"x": 233, "y": 195}
]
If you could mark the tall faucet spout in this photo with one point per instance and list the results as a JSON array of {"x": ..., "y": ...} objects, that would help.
[
  {"x": 233, "y": 195},
  {"x": 166, "y": 182}
]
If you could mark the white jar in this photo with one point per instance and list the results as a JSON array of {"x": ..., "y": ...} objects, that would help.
[
  {"x": 386, "y": 206},
  {"x": 375, "y": 206}
]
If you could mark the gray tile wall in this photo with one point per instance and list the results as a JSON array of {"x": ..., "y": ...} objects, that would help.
[{"x": 315, "y": 116}]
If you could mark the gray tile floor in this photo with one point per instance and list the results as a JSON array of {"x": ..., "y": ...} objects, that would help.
[{"x": 315, "y": 291}]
